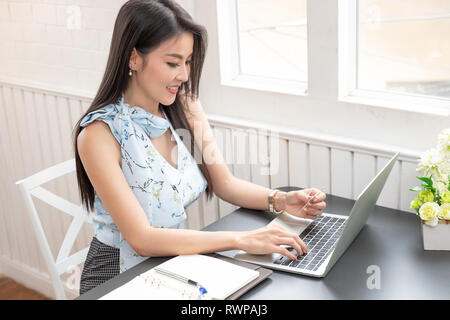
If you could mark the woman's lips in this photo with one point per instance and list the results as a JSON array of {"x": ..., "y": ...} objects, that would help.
[{"x": 172, "y": 90}]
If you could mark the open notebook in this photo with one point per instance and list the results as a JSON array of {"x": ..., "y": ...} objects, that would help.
[{"x": 220, "y": 278}]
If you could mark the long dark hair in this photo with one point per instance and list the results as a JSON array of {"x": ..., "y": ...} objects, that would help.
[{"x": 144, "y": 25}]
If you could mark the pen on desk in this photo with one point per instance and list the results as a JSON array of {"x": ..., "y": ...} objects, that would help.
[{"x": 182, "y": 279}]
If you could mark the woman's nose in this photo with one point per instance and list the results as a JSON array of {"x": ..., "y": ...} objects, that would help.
[{"x": 184, "y": 74}]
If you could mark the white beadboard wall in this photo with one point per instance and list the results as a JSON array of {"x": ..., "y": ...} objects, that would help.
[{"x": 35, "y": 133}]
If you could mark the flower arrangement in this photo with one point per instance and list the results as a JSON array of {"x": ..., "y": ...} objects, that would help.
[{"x": 433, "y": 200}]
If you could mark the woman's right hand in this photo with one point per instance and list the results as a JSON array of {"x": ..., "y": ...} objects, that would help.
[{"x": 270, "y": 239}]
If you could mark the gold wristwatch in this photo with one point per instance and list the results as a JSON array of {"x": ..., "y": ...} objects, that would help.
[{"x": 272, "y": 195}]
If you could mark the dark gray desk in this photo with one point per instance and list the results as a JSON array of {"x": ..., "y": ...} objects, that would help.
[{"x": 391, "y": 240}]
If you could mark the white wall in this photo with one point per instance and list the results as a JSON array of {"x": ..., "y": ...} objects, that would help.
[
  {"x": 42, "y": 45},
  {"x": 38, "y": 48}
]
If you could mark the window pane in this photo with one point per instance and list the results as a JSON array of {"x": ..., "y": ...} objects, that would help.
[
  {"x": 272, "y": 38},
  {"x": 404, "y": 46}
]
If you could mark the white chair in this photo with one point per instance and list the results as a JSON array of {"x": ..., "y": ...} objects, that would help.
[{"x": 32, "y": 186}]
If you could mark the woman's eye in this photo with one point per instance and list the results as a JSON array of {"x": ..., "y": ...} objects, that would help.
[{"x": 174, "y": 65}]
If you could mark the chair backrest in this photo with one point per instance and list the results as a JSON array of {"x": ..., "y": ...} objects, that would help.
[{"x": 32, "y": 186}]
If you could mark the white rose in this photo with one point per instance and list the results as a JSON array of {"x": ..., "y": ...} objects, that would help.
[
  {"x": 441, "y": 186},
  {"x": 445, "y": 211},
  {"x": 429, "y": 212},
  {"x": 431, "y": 163}
]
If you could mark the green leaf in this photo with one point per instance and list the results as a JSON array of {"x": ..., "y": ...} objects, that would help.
[
  {"x": 427, "y": 187},
  {"x": 437, "y": 198},
  {"x": 428, "y": 181},
  {"x": 417, "y": 189}
]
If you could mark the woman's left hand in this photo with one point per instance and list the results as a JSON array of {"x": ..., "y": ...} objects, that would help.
[{"x": 294, "y": 203}]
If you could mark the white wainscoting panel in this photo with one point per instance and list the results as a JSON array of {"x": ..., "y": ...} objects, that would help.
[
  {"x": 298, "y": 163},
  {"x": 341, "y": 173}
]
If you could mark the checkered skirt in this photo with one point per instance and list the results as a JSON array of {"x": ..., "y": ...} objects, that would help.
[{"x": 102, "y": 264}]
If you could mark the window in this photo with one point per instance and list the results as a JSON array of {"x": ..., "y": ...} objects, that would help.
[
  {"x": 386, "y": 53},
  {"x": 273, "y": 45},
  {"x": 403, "y": 47},
  {"x": 263, "y": 44}
]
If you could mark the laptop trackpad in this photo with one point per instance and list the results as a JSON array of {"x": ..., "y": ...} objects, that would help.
[{"x": 291, "y": 223}]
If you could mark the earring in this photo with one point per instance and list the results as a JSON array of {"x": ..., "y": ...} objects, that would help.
[{"x": 130, "y": 73}]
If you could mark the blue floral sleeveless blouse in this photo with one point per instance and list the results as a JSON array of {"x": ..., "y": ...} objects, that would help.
[{"x": 162, "y": 190}]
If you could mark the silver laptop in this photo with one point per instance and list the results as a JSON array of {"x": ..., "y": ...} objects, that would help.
[{"x": 327, "y": 237}]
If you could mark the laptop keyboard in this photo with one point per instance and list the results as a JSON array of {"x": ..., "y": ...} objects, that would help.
[{"x": 320, "y": 236}]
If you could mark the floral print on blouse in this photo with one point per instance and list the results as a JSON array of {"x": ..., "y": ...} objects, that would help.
[{"x": 162, "y": 190}]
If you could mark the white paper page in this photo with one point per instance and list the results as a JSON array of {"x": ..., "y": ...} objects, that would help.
[
  {"x": 220, "y": 278},
  {"x": 153, "y": 286}
]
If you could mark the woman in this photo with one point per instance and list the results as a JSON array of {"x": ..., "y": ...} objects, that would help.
[{"x": 137, "y": 173}]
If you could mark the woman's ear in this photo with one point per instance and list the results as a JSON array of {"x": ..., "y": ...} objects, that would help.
[
  {"x": 137, "y": 61},
  {"x": 134, "y": 63}
]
